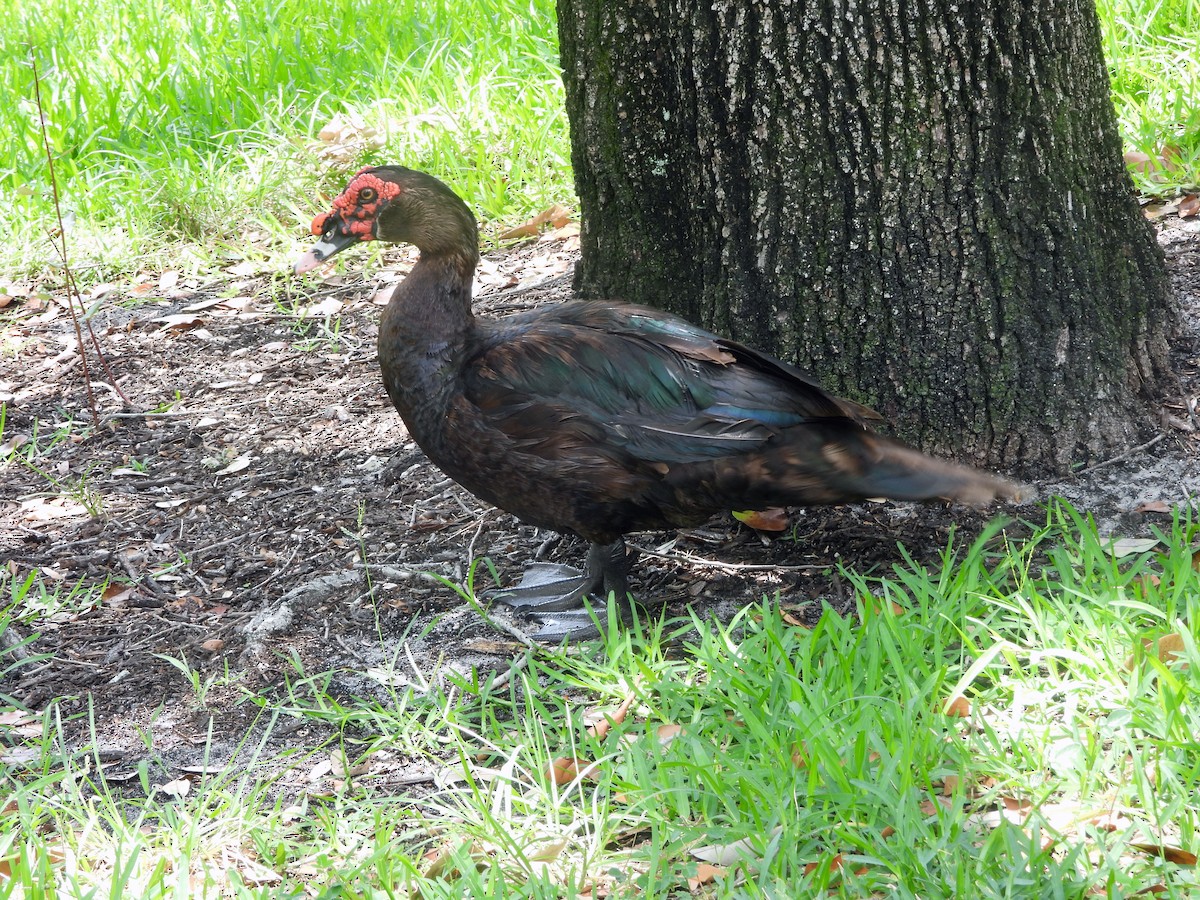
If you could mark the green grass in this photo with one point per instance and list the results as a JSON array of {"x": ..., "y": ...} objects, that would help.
[
  {"x": 1153, "y": 52},
  {"x": 174, "y": 122},
  {"x": 184, "y": 134},
  {"x": 802, "y": 761}
]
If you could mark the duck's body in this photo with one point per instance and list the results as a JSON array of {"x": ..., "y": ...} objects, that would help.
[{"x": 603, "y": 418}]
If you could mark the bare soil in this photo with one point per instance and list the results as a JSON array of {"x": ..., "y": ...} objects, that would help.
[{"x": 258, "y": 501}]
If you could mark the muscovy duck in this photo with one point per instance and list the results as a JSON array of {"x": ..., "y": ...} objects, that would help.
[{"x": 602, "y": 418}]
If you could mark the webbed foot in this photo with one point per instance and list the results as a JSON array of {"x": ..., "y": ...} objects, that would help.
[{"x": 555, "y": 595}]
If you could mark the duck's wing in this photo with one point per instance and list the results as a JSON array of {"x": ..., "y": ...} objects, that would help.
[{"x": 639, "y": 382}]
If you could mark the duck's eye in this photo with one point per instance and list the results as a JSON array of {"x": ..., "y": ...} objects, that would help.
[{"x": 366, "y": 195}]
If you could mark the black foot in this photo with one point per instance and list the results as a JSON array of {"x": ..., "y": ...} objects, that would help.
[
  {"x": 547, "y": 587},
  {"x": 555, "y": 595}
]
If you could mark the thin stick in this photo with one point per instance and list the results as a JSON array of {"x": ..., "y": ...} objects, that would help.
[
  {"x": 62, "y": 236},
  {"x": 60, "y": 246},
  {"x": 1132, "y": 451},
  {"x": 730, "y": 567}
]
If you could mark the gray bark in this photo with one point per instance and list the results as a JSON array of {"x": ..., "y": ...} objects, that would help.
[{"x": 923, "y": 203}]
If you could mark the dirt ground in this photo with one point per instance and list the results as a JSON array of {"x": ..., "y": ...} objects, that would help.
[{"x": 265, "y": 488}]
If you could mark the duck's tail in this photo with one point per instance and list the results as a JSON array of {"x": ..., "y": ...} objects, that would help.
[{"x": 836, "y": 462}]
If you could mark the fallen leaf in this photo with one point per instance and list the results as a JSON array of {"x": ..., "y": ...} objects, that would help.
[
  {"x": 732, "y": 853},
  {"x": 570, "y": 230},
  {"x": 565, "y": 769},
  {"x": 668, "y": 733},
  {"x": 1164, "y": 649},
  {"x": 1014, "y": 804},
  {"x": 116, "y": 594},
  {"x": 1189, "y": 206},
  {"x": 1170, "y": 156},
  {"x": 547, "y": 851},
  {"x": 800, "y": 755},
  {"x": 959, "y": 707},
  {"x": 833, "y": 864},
  {"x": 706, "y": 873},
  {"x": 245, "y": 269},
  {"x": 330, "y": 306},
  {"x": 1139, "y": 162},
  {"x": 1154, "y": 506},
  {"x": 180, "y": 322},
  {"x": 179, "y": 788},
  {"x": 236, "y": 466},
  {"x": 772, "y": 519},
  {"x": 214, "y": 645},
  {"x": 168, "y": 280},
  {"x": 606, "y": 721},
  {"x": 556, "y": 216},
  {"x": 1129, "y": 546},
  {"x": 1175, "y": 855}
]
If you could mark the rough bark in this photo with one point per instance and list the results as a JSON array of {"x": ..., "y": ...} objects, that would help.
[{"x": 924, "y": 203}]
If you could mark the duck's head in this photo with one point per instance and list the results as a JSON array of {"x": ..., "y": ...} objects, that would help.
[{"x": 395, "y": 204}]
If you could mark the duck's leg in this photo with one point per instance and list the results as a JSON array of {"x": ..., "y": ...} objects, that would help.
[{"x": 555, "y": 594}]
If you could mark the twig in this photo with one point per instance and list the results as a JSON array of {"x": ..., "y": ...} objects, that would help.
[
  {"x": 1132, "y": 451},
  {"x": 505, "y": 293},
  {"x": 60, "y": 247},
  {"x": 731, "y": 567},
  {"x": 506, "y": 676}
]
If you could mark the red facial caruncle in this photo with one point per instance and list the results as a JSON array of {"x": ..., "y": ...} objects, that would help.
[{"x": 358, "y": 205}]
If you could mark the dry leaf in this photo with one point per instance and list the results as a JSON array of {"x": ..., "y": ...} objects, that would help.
[
  {"x": 556, "y": 216},
  {"x": 180, "y": 322},
  {"x": 668, "y": 733},
  {"x": 1165, "y": 649},
  {"x": 1189, "y": 206},
  {"x": 1154, "y": 506},
  {"x": 213, "y": 645},
  {"x": 168, "y": 280},
  {"x": 565, "y": 769},
  {"x": 1139, "y": 162},
  {"x": 245, "y": 269},
  {"x": 800, "y": 755},
  {"x": 706, "y": 873},
  {"x": 772, "y": 519},
  {"x": 236, "y": 466},
  {"x": 565, "y": 232},
  {"x": 179, "y": 788},
  {"x": 833, "y": 865},
  {"x": 548, "y": 851},
  {"x": 1175, "y": 855},
  {"x": 730, "y": 854},
  {"x": 1130, "y": 546},
  {"x": 959, "y": 707},
  {"x": 600, "y": 728},
  {"x": 330, "y": 306}
]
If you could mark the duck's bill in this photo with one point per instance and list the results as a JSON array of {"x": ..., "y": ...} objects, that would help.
[{"x": 324, "y": 250}]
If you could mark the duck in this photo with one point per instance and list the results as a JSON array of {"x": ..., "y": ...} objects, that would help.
[{"x": 600, "y": 418}]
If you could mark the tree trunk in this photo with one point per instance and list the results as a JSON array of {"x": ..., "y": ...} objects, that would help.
[{"x": 924, "y": 204}]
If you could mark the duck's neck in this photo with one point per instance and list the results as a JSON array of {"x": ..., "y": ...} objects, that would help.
[
  {"x": 424, "y": 330},
  {"x": 433, "y": 303}
]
